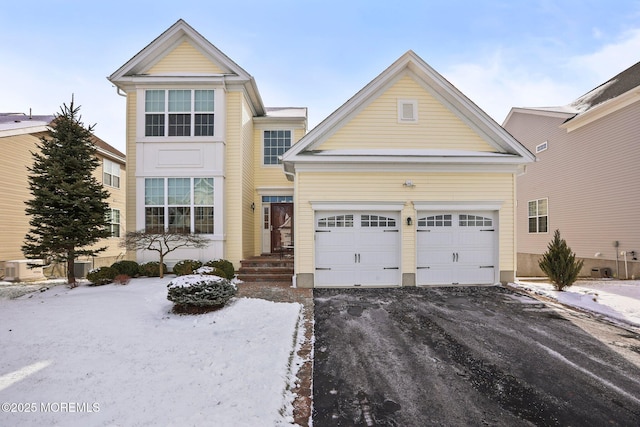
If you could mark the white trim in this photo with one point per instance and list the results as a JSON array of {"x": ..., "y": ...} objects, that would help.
[
  {"x": 601, "y": 110},
  {"x": 359, "y": 206},
  {"x": 401, "y": 111},
  {"x": 475, "y": 205}
]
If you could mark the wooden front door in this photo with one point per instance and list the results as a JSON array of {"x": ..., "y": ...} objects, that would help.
[{"x": 281, "y": 226}]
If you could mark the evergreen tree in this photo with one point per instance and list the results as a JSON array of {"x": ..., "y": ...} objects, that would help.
[
  {"x": 559, "y": 263},
  {"x": 68, "y": 208}
]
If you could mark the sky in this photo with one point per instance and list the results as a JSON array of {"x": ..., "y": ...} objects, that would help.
[{"x": 318, "y": 53}]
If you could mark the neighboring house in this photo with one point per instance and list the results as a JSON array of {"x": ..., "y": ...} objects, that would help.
[
  {"x": 203, "y": 150},
  {"x": 19, "y": 136},
  {"x": 585, "y": 180},
  {"x": 408, "y": 183}
]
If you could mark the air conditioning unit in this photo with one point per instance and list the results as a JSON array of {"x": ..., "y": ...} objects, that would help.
[
  {"x": 601, "y": 272},
  {"x": 21, "y": 271},
  {"x": 81, "y": 269}
]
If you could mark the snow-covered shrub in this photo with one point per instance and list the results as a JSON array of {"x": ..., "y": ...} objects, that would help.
[
  {"x": 130, "y": 268},
  {"x": 152, "y": 269},
  {"x": 198, "y": 293},
  {"x": 101, "y": 276},
  {"x": 122, "y": 279},
  {"x": 224, "y": 265},
  {"x": 186, "y": 266},
  {"x": 211, "y": 271}
]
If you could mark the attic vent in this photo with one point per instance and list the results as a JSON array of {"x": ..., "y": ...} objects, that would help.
[
  {"x": 541, "y": 147},
  {"x": 407, "y": 111}
]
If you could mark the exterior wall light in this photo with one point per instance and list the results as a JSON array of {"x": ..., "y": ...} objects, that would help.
[{"x": 409, "y": 221}]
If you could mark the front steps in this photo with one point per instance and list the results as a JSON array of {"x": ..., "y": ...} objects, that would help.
[{"x": 267, "y": 268}]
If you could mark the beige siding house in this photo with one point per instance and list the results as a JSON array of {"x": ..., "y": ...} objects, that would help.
[
  {"x": 408, "y": 183},
  {"x": 585, "y": 180},
  {"x": 204, "y": 151},
  {"x": 19, "y": 136}
]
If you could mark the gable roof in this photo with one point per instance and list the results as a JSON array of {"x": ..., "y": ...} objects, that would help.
[
  {"x": 134, "y": 70},
  {"x": 617, "y": 92},
  {"x": 507, "y": 149}
]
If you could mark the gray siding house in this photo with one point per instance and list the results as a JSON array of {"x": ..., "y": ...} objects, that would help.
[{"x": 586, "y": 181}]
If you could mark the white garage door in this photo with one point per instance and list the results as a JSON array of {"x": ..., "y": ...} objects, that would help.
[
  {"x": 357, "y": 248},
  {"x": 456, "y": 248}
]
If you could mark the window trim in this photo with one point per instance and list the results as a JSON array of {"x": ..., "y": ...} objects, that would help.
[
  {"x": 192, "y": 206},
  {"x": 537, "y": 216},
  {"x": 264, "y": 147},
  {"x": 401, "y": 110},
  {"x": 112, "y": 223},
  {"x": 108, "y": 167},
  {"x": 217, "y": 120}
]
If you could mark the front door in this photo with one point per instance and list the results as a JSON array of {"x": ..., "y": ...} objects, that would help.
[{"x": 281, "y": 226}]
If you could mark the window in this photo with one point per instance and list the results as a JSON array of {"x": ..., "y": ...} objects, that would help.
[
  {"x": 474, "y": 221},
  {"x": 340, "y": 221},
  {"x": 407, "y": 111},
  {"x": 376, "y": 221},
  {"x": 110, "y": 173},
  {"x": 113, "y": 218},
  {"x": 179, "y": 205},
  {"x": 436, "y": 221},
  {"x": 276, "y": 142},
  {"x": 183, "y": 112},
  {"x": 538, "y": 216},
  {"x": 541, "y": 147},
  {"x": 277, "y": 199}
]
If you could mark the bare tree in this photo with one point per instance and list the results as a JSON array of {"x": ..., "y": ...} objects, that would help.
[{"x": 162, "y": 242}]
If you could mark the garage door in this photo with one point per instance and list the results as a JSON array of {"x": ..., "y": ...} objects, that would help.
[
  {"x": 357, "y": 248},
  {"x": 456, "y": 248}
]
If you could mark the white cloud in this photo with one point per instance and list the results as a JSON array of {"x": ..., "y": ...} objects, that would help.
[{"x": 516, "y": 79}]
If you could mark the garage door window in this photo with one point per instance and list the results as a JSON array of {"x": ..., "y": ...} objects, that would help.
[
  {"x": 339, "y": 221},
  {"x": 474, "y": 221},
  {"x": 435, "y": 221},
  {"x": 376, "y": 221}
]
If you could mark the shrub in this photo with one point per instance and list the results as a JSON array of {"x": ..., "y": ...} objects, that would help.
[
  {"x": 211, "y": 271},
  {"x": 152, "y": 269},
  {"x": 186, "y": 266},
  {"x": 130, "y": 268},
  {"x": 122, "y": 279},
  {"x": 197, "y": 293},
  {"x": 559, "y": 263},
  {"x": 224, "y": 265},
  {"x": 101, "y": 276}
]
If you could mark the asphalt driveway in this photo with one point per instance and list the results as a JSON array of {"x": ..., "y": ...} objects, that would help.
[{"x": 458, "y": 356}]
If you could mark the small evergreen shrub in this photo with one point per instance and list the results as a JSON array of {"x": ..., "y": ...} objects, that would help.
[
  {"x": 198, "y": 293},
  {"x": 101, "y": 276},
  {"x": 211, "y": 271},
  {"x": 186, "y": 266},
  {"x": 152, "y": 269},
  {"x": 122, "y": 279},
  {"x": 130, "y": 268},
  {"x": 224, "y": 265},
  {"x": 559, "y": 263}
]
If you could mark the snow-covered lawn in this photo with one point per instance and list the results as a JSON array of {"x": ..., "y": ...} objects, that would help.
[
  {"x": 115, "y": 355},
  {"x": 618, "y": 300}
]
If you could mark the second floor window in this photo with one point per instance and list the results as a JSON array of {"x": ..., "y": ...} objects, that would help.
[
  {"x": 276, "y": 142},
  {"x": 183, "y": 112},
  {"x": 110, "y": 173}
]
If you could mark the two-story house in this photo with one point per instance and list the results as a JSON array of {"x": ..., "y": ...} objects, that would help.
[
  {"x": 584, "y": 182},
  {"x": 20, "y": 135},
  {"x": 408, "y": 183}
]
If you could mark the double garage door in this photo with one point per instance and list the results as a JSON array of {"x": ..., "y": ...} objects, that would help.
[{"x": 364, "y": 248}]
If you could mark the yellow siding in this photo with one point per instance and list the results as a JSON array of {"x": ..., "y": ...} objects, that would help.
[
  {"x": 16, "y": 156},
  {"x": 185, "y": 58},
  {"x": 233, "y": 182},
  {"x": 377, "y": 127},
  {"x": 429, "y": 187},
  {"x": 15, "y": 223},
  {"x": 131, "y": 164},
  {"x": 248, "y": 215}
]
